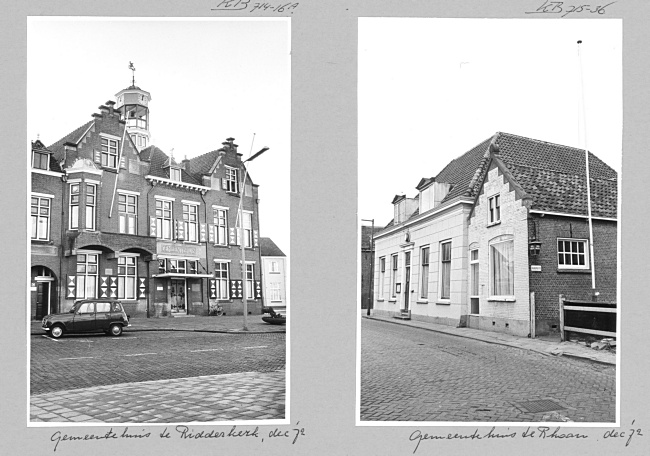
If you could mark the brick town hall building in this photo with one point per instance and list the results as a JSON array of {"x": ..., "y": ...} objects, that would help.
[{"x": 114, "y": 216}]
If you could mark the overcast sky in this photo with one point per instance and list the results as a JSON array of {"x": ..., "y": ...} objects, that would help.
[
  {"x": 431, "y": 89},
  {"x": 209, "y": 79}
]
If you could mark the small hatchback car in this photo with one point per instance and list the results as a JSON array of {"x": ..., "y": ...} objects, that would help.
[{"x": 88, "y": 315}]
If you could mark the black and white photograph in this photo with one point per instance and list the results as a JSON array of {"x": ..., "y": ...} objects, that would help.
[
  {"x": 159, "y": 220},
  {"x": 489, "y": 170}
]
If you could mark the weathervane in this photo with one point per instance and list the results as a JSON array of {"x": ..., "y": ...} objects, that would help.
[{"x": 132, "y": 68}]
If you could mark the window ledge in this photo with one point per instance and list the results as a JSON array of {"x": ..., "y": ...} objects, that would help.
[
  {"x": 191, "y": 242},
  {"x": 502, "y": 299},
  {"x": 380, "y": 299},
  {"x": 443, "y": 303},
  {"x": 422, "y": 301},
  {"x": 392, "y": 300},
  {"x": 494, "y": 224},
  {"x": 573, "y": 271}
]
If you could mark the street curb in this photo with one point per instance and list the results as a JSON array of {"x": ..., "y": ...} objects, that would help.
[
  {"x": 495, "y": 342},
  {"x": 216, "y": 331}
]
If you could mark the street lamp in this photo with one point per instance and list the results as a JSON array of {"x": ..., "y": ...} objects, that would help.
[
  {"x": 240, "y": 214},
  {"x": 371, "y": 291}
]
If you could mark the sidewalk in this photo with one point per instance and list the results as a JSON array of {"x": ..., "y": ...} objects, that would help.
[
  {"x": 222, "y": 324},
  {"x": 545, "y": 347}
]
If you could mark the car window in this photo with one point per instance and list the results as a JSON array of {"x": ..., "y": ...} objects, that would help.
[
  {"x": 117, "y": 307},
  {"x": 103, "y": 307},
  {"x": 86, "y": 308}
]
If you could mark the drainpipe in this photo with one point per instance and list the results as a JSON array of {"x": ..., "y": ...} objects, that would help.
[
  {"x": 151, "y": 289},
  {"x": 207, "y": 242}
]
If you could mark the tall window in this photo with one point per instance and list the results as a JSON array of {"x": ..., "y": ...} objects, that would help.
[
  {"x": 494, "y": 209},
  {"x": 221, "y": 275},
  {"x": 231, "y": 182},
  {"x": 126, "y": 274},
  {"x": 127, "y": 209},
  {"x": 40, "y": 218},
  {"x": 393, "y": 277},
  {"x": 248, "y": 230},
  {"x": 572, "y": 254},
  {"x": 274, "y": 291},
  {"x": 109, "y": 152},
  {"x": 445, "y": 270},
  {"x": 250, "y": 282},
  {"x": 424, "y": 275},
  {"x": 191, "y": 222},
  {"x": 275, "y": 267},
  {"x": 502, "y": 268},
  {"x": 382, "y": 278},
  {"x": 164, "y": 219},
  {"x": 40, "y": 160},
  {"x": 473, "y": 284},
  {"x": 87, "y": 266},
  {"x": 220, "y": 226},
  {"x": 74, "y": 206},
  {"x": 91, "y": 202}
]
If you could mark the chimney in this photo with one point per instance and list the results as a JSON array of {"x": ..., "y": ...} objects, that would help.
[
  {"x": 186, "y": 164},
  {"x": 110, "y": 105},
  {"x": 104, "y": 109}
]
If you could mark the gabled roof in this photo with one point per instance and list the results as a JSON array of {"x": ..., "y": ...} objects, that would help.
[
  {"x": 268, "y": 248},
  {"x": 202, "y": 164},
  {"x": 160, "y": 165},
  {"x": 53, "y": 164},
  {"x": 73, "y": 137}
]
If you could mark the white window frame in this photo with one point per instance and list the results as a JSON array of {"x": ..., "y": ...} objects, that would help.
[
  {"x": 569, "y": 254},
  {"x": 42, "y": 156},
  {"x": 474, "y": 279},
  {"x": 250, "y": 281},
  {"x": 109, "y": 150},
  {"x": 73, "y": 218},
  {"x": 394, "y": 263},
  {"x": 222, "y": 276},
  {"x": 232, "y": 180},
  {"x": 220, "y": 219},
  {"x": 248, "y": 230},
  {"x": 82, "y": 279},
  {"x": 275, "y": 293},
  {"x": 382, "y": 277},
  {"x": 127, "y": 220},
  {"x": 493, "y": 295},
  {"x": 127, "y": 275},
  {"x": 190, "y": 226},
  {"x": 41, "y": 218},
  {"x": 274, "y": 267},
  {"x": 424, "y": 271},
  {"x": 91, "y": 206},
  {"x": 494, "y": 209},
  {"x": 444, "y": 261},
  {"x": 162, "y": 221},
  {"x": 175, "y": 174}
]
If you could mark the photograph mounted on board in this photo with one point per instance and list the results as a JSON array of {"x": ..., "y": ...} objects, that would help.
[
  {"x": 489, "y": 163},
  {"x": 158, "y": 242}
]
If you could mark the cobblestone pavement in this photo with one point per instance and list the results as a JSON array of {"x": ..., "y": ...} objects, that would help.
[
  {"x": 209, "y": 398},
  {"x": 409, "y": 374},
  {"x": 161, "y": 376}
]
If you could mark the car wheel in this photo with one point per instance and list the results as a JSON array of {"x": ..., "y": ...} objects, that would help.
[
  {"x": 56, "y": 331},
  {"x": 116, "y": 330}
]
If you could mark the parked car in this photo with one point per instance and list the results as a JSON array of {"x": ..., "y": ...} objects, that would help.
[{"x": 88, "y": 315}]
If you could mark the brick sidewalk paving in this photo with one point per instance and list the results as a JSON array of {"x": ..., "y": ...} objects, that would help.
[
  {"x": 227, "y": 324},
  {"x": 240, "y": 396},
  {"x": 538, "y": 345}
]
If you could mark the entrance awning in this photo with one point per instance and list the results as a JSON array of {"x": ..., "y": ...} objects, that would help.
[{"x": 175, "y": 274}]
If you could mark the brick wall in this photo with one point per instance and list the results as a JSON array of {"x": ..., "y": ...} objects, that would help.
[{"x": 552, "y": 281}]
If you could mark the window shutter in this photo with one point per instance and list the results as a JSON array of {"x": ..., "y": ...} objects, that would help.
[
  {"x": 258, "y": 289},
  {"x": 236, "y": 289},
  {"x": 212, "y": 285},
  {"x": 224, "y": 183},
  {"x": 72, "y": 287},
  {"x": 180, "y": 233},
  {"x": 112, "y": 286},
  {"x": 152, "y": 226},
  {"x": 98, "y": 156},
  {"x": 255, "y": 238},
  {"x": 211, "y": 238},
  {"x": 103, "y": 287},
  {"x": 202, "y": 232},
  {"x": 142, "y": 287},
  {"x": 232, "y": 236}
]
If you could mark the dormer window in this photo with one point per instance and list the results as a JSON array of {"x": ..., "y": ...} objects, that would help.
[
  {"x": 231, "y": 181},
  {"x": 109, "y": 152},
  {"x": 426, "y": 199},
  {"x": 175, "y": 174},
  {"x": 40, "y": 160}
]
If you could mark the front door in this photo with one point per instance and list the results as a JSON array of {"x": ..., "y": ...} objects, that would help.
[
  {"x": 42, "y": 299},
  {"x": 407, "y": 279},
  {"x": 177, "y": 296}
]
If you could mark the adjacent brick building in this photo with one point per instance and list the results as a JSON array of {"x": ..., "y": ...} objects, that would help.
[
  {"x": 519, "y": 239},
  {"x": 113, "y": 216}
]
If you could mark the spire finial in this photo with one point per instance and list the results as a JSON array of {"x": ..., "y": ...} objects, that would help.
[{"x": 132, "y": 68}]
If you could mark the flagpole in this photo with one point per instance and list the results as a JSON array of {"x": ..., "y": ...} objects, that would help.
[{"x": 584, "y": 144}]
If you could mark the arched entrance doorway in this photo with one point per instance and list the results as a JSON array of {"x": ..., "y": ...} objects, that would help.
[{"x": 43, "y": 291}]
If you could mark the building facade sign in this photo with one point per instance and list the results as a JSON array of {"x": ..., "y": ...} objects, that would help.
[{"x": 165, "y": 248}]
